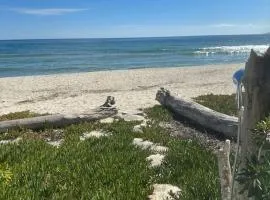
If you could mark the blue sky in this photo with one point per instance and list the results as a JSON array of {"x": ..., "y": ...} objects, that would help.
[{"x": 26, "y": 19}]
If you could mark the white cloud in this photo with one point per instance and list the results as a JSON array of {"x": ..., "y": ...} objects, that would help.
[
  {"x": 223, "y": 25},
  {"x": 228, "y": 25},
  {"x": 47, "y": 11}
]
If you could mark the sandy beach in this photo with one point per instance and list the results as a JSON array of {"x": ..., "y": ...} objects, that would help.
[{"x": 133, "y": 89}]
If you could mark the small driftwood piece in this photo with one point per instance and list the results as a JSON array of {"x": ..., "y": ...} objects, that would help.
[
  {"x": 60, "y": 120},
  {"x": 206, "y": 117},
  {"x": 225, "y": 171}
]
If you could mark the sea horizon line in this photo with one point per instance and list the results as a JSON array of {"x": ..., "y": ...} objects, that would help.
[{"x": 139, "y": 37}]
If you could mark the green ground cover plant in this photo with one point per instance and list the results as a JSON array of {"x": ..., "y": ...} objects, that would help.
[{"x": 107, "y": 167}]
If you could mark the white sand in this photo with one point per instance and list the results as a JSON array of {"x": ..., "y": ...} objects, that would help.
[
  {"x": 12, "y": 141},
  {"x": 108, "y": 120},
  {"x": 91, "y": 134},
  {"x": 56, "y": 143},
  {"x": 158, "y": 148},
  {"x": 146, "y": 144},
  {"x": 133, "y": 89},
  {"x": 155, "y": 159},
  {"x": 164, "y": 191},
  {"x": 142, "y": 144}
]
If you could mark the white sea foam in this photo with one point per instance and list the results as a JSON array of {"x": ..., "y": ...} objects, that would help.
[{"x": 243, "y": 49}]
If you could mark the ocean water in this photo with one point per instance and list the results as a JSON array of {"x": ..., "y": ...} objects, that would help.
[{"x": 40, "y": 57}]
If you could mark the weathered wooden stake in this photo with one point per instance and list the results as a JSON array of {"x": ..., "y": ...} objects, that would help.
[
  {"x": 225, "y": 172},
  {"x": 256, "y": 83}
]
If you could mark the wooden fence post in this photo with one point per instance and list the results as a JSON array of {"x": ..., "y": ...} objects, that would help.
[
  {"x": 225, "y": 172},
  {"x": 256, "y": 83}
]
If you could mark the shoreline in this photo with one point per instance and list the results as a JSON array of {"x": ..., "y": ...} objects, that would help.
[
  {"x": 132, "y": 88},
  {"x": 123, "y": 70}
]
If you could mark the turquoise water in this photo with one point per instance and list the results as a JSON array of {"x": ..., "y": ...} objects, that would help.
[{"x": 40, "y": 57}]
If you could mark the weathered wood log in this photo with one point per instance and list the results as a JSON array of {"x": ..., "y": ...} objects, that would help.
[
  {"x": 206, "y": 117},
  {"x": 256, "y": 82},
  {"x": 225, "y": 173},
  {"x": 61, "y": 120}
]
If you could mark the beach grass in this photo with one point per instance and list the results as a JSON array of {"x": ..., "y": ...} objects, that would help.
[
  {"x": 159, "y": 113},
  {"x": 222, "y": 103},
  {"x": 107, "y": 167},
  {"x": 19, "y": 115}
]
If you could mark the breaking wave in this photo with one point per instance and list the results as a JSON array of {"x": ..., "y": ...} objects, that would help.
[{"x": 243, "y": 49}]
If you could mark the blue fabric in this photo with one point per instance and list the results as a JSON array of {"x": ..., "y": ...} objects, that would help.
[{"x": 237, "y": 76}]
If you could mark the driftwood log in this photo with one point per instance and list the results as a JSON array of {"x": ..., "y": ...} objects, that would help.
[
  {"x": 60, "y": 120},
  {"x": 206, "y": 117}
]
